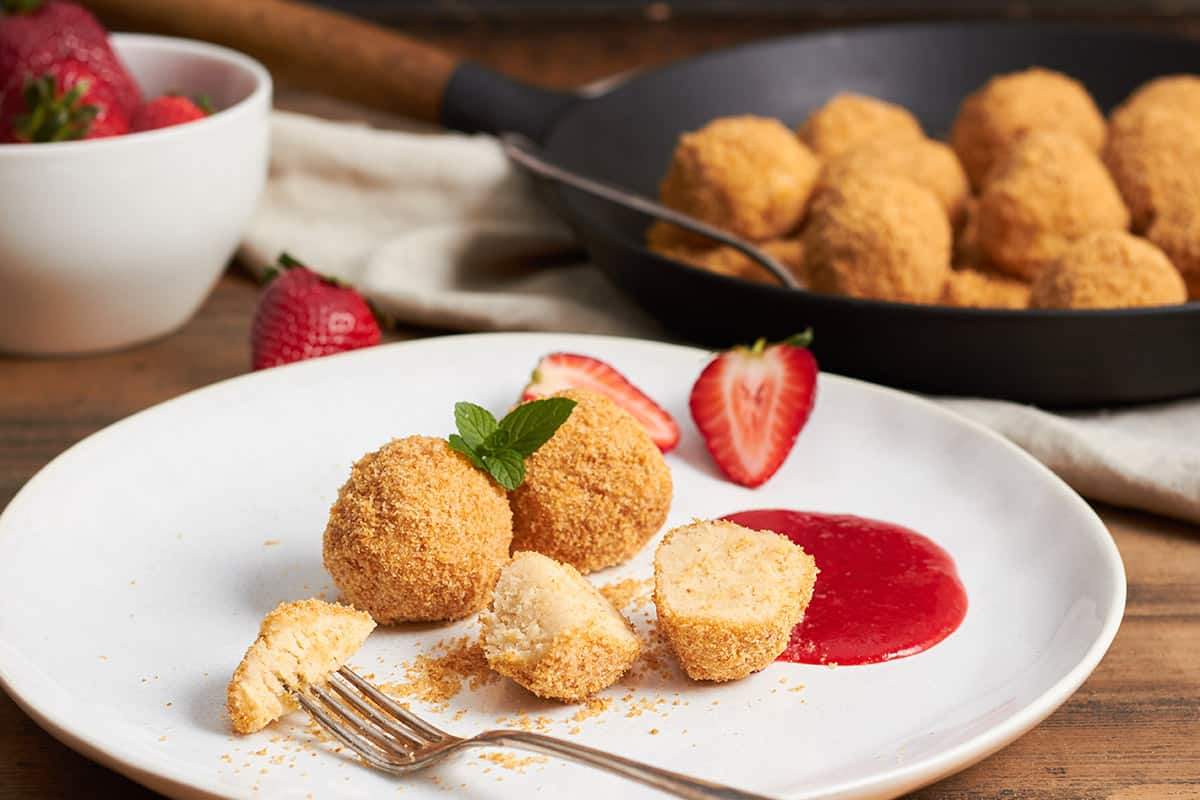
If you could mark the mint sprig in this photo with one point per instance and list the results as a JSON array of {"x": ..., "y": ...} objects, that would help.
[{"x": 500, "y": 448}]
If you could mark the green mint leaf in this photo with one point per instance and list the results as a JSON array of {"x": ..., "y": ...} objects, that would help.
[
  {"x": 530, "y": 425},
  {"x": 475, "y": 423},
  {"x": 499, "y": 440},
  {"x": 802, "y": 339},
  {"x": 507, "y": 467},
  {"x": 459, "y": 444}
]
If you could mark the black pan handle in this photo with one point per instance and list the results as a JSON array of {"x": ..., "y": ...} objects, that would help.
[
  {"x": 340, "y": 55},
  {"x": 480, "y": 100}
]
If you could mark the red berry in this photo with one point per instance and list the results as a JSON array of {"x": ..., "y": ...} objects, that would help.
[
  {"x": 302, "y": 314},
  {"x": 165, "y": 111},
  {"x": 750, "y": 404},
  {"x": 35, "y": 36},
  {"x": 67, "y": 102},
  {"x": 559, "y": 371}
]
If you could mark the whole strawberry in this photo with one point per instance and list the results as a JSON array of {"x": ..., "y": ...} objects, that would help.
[
  {"x": 35, "y": 35},
  {"x": 750, "y": 404},
  {"x": 302, "y": 314},
  {"x": 67, "y": 102},
  {"x": 168, "y": 110}
]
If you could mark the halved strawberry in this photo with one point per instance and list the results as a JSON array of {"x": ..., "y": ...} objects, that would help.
[
  {"x": 559, "y": 371},
  {"x": 750, "y": 404}
]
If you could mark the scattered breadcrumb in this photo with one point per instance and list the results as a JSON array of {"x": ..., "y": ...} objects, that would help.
[
  {"x": 270, "y": 542},
  {"x": 512, "y": 762},
  {"x": 593, "y": 707},
  {"x": 630, "y": 594},
  {"x": 435, "y": 679}
]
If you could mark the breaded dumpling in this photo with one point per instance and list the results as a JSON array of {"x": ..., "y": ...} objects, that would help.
[
  {"x": 1154, "y": 158},
  {"x": 728, "y": 597},
  {"x": 747, "y": 175},
  {"x": 298, "y": 644},
  {"x": 878, "y": 237},
  {"x": 1109, "y": 269},
  {"x": 1049, "y": 190},
  {"x": 975, "y": 288},
  {"x": 553, "y": 632},
  {"x": 596, "y": 492},
  {"x": 417, "y": 533},
  {"x": 1178, "y": 92},
  {"x": 1177, "y": 232},
  {"x": 1008, "y": 106},
  {"x": 932, "y": 165},
  {"x": 850, "y": 120},
  {"x": 724, "y": 260}
]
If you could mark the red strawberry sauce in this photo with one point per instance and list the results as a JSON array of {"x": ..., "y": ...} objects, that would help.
[{"x": 884, "y": 591}]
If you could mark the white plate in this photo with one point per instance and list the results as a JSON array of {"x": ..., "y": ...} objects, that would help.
[{"x": 133, "y": 574}]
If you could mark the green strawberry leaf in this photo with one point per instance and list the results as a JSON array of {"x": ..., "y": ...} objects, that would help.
[
  {"x": 802, "y": 339},
  {"x": 457, "y": 443},
  {"x": 507, "y": 467},
  {"x": 530, "y": 425},
  {"x": 475, "y": 423}
]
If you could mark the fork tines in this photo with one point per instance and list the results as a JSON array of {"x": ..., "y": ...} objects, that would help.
[{"x": 385, "y": 734}]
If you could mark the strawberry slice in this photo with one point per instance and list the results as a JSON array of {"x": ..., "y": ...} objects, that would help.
[
  {"x": 559, "y": 371},
  {"x": 750, "y": 404}
]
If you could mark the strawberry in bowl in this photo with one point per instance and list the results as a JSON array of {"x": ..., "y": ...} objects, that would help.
[{"x": 153, "y": 213}]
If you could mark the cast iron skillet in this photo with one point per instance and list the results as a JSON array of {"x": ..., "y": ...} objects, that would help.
[{"x": 1051, "y": 358}]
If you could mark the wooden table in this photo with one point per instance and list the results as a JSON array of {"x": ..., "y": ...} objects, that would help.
[{"x": 1131, "y": 733}]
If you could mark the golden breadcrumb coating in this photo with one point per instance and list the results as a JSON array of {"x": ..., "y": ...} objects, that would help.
[
  {"x": 1109, "y": 269},
  {"x": 724, "y": 260},
  {"x": 298, "y": 644},
  {"x": 1178, "y": 92},
  {"x": 1008, "y": 106},
  {"x": 748, "y": 175},
  {"x": 975, "y": 288},
  {"x": 417, "y": 533},
  {"x": 728, "y": 597},
  {"x": 929, "y": 164},
  {"x": 879, "y": 237},
  {"x": 596, "y": 492},
  {"x": 1177, "y": 232},
  {"x": 1049, "y": 190},
  {"x": 1154, "y": 157},
  {"x": 849, "y": 120},
  {"x": 553, "y": 632}
]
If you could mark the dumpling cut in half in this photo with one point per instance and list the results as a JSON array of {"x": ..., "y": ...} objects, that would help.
[
  {"x": 728, "y": 597},
  {"x": 298, "y": 644},
  {"x": 553, "y": 632}
]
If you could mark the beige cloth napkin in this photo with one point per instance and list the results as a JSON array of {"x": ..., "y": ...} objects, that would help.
[{"x": 438, "y": 230}]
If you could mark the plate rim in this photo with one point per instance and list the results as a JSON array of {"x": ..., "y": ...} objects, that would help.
[{"x": 55, "y": 718}]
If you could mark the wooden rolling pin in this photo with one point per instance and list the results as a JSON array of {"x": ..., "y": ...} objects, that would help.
[{"x": 313, "y": 48}]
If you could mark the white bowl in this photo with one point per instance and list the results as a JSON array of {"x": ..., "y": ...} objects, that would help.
[{"x": 105, "y": 243}]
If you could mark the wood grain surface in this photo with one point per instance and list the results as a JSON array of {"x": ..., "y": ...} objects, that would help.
[{"x": 1131, "y": 733}]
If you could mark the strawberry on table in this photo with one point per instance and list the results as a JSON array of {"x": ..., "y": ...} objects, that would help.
[
  {"x": 302, "y": 314},
  {"x": 168, "y": 110},
  {"x": 559, "y": 371},
  {"x": 750, "y": 404},
  {"x": 36, "y": 35},
  {"x": 67, "y": 102}
]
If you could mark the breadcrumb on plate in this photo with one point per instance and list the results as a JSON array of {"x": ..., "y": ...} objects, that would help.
[
  {"x": 298, "y": 644},
  {"x": 728, "y": 597}
]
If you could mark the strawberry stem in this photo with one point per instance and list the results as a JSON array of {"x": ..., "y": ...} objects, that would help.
[
  {"x": 802, "y": 339},
  {"x": 52, "y": 116}
]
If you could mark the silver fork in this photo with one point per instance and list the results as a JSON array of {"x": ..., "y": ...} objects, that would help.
[{"x": 390, "y": 738}]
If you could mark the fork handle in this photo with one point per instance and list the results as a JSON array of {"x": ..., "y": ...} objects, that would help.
[{"x": 661, "y": 779}]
